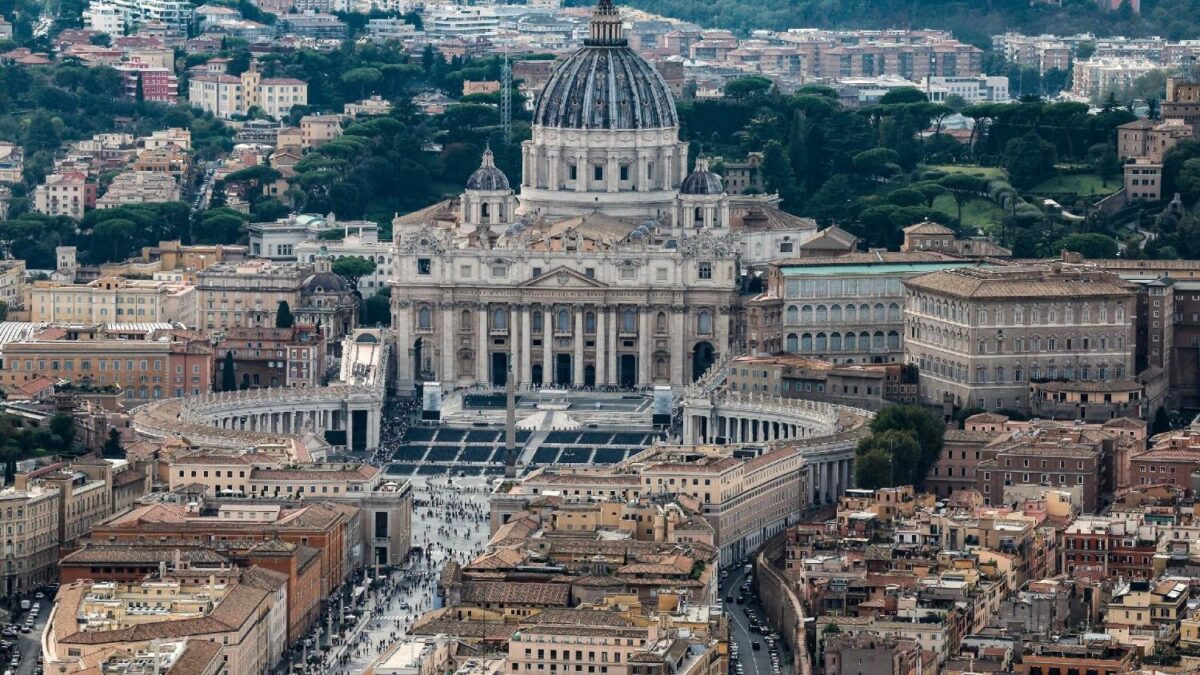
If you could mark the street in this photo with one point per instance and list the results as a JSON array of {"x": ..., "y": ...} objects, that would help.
[
  {"x": 448, "y": 520},
  {"x": 28, "y": 644},
  {"x": 740, "y": 633}
]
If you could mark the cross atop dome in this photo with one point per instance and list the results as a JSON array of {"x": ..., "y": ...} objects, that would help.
[{"x": 606, "y": 28}]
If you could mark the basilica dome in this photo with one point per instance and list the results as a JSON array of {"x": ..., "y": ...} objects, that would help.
[
  {"x": 702, "y": 181},
  {"x": 488, "y": 177},
  {"x": 606, "y": 85}
]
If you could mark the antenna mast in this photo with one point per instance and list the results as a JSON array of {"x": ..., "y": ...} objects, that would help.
[{"x": 506, "y": 97}]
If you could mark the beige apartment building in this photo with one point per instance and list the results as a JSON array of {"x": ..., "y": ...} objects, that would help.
[
  {"x": 1151, "y": 139},
  {"x": 247, "y": 294},
  {"x": 139, "y": 187},
  {"x": 29, "y": 520},
  {"x": 226, "y": 96},
  {"x": 142, "y": 369},
  {"x": 90, "y": 618},
  {"x": 112, "y": 300},
  {"x": 981, "y": 336},
  {"x": 63, "y": 194},
  {"x": 745, "y": 500},
  {"x": 12, "y": 283},
  {"x": 317, "y": 130},
  {"x": 385, "y": 504}
]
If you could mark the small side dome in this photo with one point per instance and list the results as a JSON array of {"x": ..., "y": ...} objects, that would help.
[
  {"x": 701, "y": 181},
  {"x": 487, "y": 177}
]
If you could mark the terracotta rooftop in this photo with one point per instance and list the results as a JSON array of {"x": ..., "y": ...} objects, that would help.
[{"x": 488, "y": 592}]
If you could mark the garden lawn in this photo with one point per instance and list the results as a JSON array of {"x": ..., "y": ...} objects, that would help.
[
  {"x": 988, "y": 172},
  {"x": 1080, "y": 184},
  {"x": 979, "y": 213}
]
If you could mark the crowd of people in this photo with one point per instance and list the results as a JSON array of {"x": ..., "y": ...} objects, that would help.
[{"x": 449, "y": 522}]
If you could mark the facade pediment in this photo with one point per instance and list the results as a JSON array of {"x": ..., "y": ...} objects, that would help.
[{"x": 563, "y": 277}]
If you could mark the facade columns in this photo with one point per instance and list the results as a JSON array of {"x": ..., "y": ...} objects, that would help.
[
  {"x": 403, "y": 323},
  {"x": 577, "y": 341},
  {"x": 601, "y": 362},
  {"x": 612, "y": 339},
  {"x": 612, "y": 173},
  {"x": 678, "y": 355},
  {"x": 547, "y": 348},
  {"x": 643, "y": 348},
  {"x": 581, "y": 173},
  {"x": 526, "y": 343},
  {"x": 448, "y": 375},
  {"x": 514, "y": 337},
  {"x": 481, "y": 349}
]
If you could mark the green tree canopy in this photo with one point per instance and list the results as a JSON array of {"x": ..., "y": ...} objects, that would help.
[
  {"x": 1089, "y": 244},
  {"x": 283, "y": 315},
  {"x": 353, "y": 268}
]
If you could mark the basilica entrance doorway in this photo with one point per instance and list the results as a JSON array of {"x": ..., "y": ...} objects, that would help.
[
  {"x": 628, "y": 371},
  {"x": 702, "y": 359},
  {"x": 562, "y": 369},
  {"x": 499, "y": 369}
]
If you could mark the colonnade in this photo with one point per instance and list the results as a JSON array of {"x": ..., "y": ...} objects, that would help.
[
  {"x": 741, "y": 428},
  {"x": 829, "y": 478}
]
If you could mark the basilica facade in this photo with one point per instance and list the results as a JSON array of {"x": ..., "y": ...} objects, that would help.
[{"x": 614, "y": 266}]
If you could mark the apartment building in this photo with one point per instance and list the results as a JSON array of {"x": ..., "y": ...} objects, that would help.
[
  {"x": 141, "y": 370},
  {"x": 12, "y": 162},
  {"x": 12, "y": 283},
  {"x": 29, "y": 517},
  {"x": 246, "y": 294},
  {"x": 1024, "y": 463},
  {"x": 112, "y": 300},
  {"x": 793, "y": 376},
  {"x": 91, "y": 618},
  {"x": 226, "y": 96},
  {"x": 64, "y": 194},
  {"x": 139, "y": 187},
  {"x": 980, "y": 336},
  {"x": 317, "y": 130},
  {"x": 272, "y": 357},
  {"x": 1095, "y": 77}
]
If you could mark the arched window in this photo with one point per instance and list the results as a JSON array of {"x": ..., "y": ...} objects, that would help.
[
  {"x": 851, "y": 342},
  {"x": 793, "y": 314},
  {"x": 806, "y": 314},
  {"x": 535, "y": 321},
  {"x": 822, "y": 314},
  {"x": 424, "y": 319},
  {"x": 629, "y": 321},
  {"x": 894, "y": 312},
  {"x": 893, "y": 340},
  {"x": 806, "y": 342},
  {"x": 822, "y": 344},
  {"x": 704, "y": 323},
  {"x": 793, "y": 342},
  {"x": 660, "y": 323},
  {"x": 864, "y": 341},
  {"x": 851, "y": 313},
  {"x": 864, "y": 312},
  {"x": 878, "y": 314},
  {"x": 499, "y": 319},
  {"x": 589, "y": 322},
  {"x": 877, "y": 339},
  {"x": 835, "y": 313},
  {"x": 562, "y": 322},
  {"x": 835, "y": 342},
  {"x": 483, "y": 210},
  {"x": 698, "y": 216}
]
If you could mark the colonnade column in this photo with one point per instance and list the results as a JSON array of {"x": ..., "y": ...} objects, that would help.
[
  {"x": 577, "y": 341},
  {"x": 547, "y": 346},
  {"x": 481, "y": 348},
  {"x": 526, "y": 345}
]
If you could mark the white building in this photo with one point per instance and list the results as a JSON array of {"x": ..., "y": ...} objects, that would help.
[
  {"x": 1095, "y": 77},
  {"x": 104, "y": 17},
  {"x": 461, "y": 22},
  {"x": 277, "y": 240},
  {"x": 981, "y": 89},
  {"x": 383, "y": 30}
]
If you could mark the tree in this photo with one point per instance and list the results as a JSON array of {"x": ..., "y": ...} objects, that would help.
[
  {"x": 1029, "y": 160},
  {"x": 744, "y": 88},
  {"x": 228, "y": 378},
  {"x": 777, "y": 172},
  {"x": 926, "y": 429},
  {"x": 1188, "y": 181},
  {"x": 1089, "y": 244},
  {"x": 1105, "y": 163},
  {"x": 903, "y": 95},
  {"x": 112, "y": 445},
  {"x": 877, "y": 163},
  {"x": 963, "y": 188},
  {"x": 283, "y": 315},
  {"x": 62, "y": 426},
  {"x": 888, "y": 459},
  {"x": 353, "y": 268}
]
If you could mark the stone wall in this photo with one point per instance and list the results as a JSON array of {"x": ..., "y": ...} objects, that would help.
[{"x": 780, "y": 601}]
